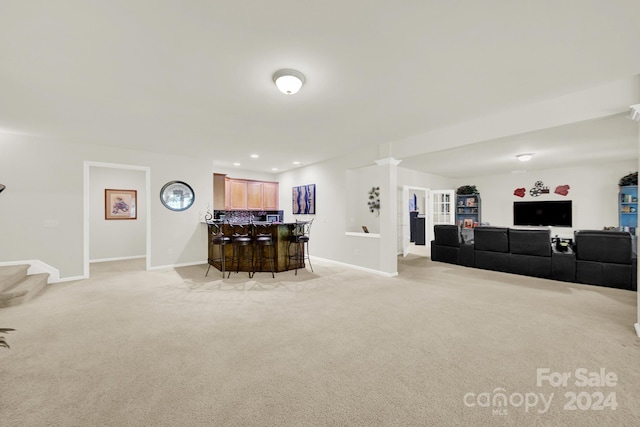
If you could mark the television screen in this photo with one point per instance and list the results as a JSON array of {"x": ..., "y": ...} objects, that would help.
[{"x": 556, "y": 213}]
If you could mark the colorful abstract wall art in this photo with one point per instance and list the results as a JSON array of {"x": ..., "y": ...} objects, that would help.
[{"x": 304, "y": 199}]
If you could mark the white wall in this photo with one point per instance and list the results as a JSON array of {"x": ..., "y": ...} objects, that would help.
[
  {"x": 111, "y": 239},
  {"x": 41, "y": 211},
  {"x": 594, "y": 192},
  {"x": 359, "y": 183},
  {"x": 425, "y": 180},
  {"x": 328, "y": 239}
]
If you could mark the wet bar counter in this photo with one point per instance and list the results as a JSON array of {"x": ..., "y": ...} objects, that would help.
[{"x": 280, "y": 233}]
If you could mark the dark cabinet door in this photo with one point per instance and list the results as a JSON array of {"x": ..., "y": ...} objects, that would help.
[
  {"x": 412, "y": 225},
  {"x": 419, "y": 231}
]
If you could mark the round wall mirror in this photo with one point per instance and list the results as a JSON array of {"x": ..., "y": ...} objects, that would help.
[{"x": 177, "y": 196}]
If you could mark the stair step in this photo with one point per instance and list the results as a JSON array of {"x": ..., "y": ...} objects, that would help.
[
  {"x": 28, "y": 288},
  {"x": 11, "y": 275}
]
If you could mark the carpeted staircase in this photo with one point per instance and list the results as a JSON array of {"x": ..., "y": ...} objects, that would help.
[{"x": 16, "y": 286}]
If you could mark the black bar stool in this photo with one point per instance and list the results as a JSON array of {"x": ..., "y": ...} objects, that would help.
[
  {"x": 241, "y": 242},
  {"x": 299, "y": 238},
  {"x": 263, "y": 242},
  {"x": 219, "y": 240}
]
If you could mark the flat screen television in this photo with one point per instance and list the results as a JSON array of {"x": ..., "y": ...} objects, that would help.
[{"x": 553, "y": 212}]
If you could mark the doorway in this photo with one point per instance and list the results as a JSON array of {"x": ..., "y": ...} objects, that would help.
[
  {"x": 108, "y": 175},
  {"x": 415, "y": 205},
  {"x": 435, "y": 206}
]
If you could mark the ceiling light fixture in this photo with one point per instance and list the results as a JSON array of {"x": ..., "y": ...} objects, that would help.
[
  {"x": 524, "y": 157},
  {"x": 254, "y": 156},
  {"x": 634, "y": 112},
  {"x": 288, "y": 81}
]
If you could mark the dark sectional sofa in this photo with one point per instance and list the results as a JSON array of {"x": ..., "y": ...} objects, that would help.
[{"x": 603, "y": 258}]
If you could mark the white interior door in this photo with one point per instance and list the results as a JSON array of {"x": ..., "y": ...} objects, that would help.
[{"x": 442, "y": 210}]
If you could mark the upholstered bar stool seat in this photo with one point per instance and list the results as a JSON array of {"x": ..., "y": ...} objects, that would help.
[
  {"x": 220, "y": 241},
  {"x": 241, "y": 242},
  {"x": 264, "y": 243},
  {"x": 299, "y": 242}
]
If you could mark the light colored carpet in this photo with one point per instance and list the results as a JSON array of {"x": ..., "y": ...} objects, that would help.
[{"x": 337, "y": 347}]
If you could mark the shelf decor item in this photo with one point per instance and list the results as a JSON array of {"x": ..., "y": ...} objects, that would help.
[
  {"x": 631, "y": 179},
  {"x": 374, "y": 200},
  {"x": 467, "y": 189},
  {"x": 120, "y": 204}
]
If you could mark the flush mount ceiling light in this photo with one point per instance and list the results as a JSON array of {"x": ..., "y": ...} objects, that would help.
[
  {"x": 524, "y": 157},
  {"x": 288, "y": 81},
  {"x": 634, "y": 112}
]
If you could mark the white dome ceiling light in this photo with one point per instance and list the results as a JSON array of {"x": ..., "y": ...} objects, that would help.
[{"x": 288, "y": 81}]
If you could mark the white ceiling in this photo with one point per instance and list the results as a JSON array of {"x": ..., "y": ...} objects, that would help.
[
  {"x": 194, "y": 77},
  {"x": 591, "y": 142}
]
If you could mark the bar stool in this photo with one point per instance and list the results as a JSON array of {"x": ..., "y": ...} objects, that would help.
[
  {"x": 300, "y": 239},
  {"x": 241, "y": 243},
  {"x": 263, "y": 242},
  {"x": 219, "y": 240}
]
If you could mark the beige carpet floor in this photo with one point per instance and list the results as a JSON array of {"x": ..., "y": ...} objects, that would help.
[{"x": 338, "y": 347}]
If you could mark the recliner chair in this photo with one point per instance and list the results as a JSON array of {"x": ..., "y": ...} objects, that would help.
[
  {"x": 530, "y": 252},
  {"x": 449, "y": 247},
  {"x": 605, "y": 258},
  {"x": 491, "y": 248}
]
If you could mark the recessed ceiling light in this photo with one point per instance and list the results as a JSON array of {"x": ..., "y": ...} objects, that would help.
[
  {"x": 274, "y": 169},
  {"x": 236, "y": 164},
  {"x": 254, "y": 156},
  {"x": 525, "y": 157},
  {"x": 296, "y": 163}
]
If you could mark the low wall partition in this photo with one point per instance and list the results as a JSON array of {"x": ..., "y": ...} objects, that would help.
[{"x": 603, "y": 258}]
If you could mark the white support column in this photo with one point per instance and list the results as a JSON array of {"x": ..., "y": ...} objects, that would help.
[{"x": 388, "y": 215}]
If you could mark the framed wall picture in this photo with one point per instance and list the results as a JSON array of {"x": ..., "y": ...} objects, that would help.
[
  {"x": 304, "y": 199},
  {"x": 120, "y": 204}
]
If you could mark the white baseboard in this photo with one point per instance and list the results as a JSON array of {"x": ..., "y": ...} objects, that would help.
[
  {"x": 117, "y": 259},
  {"x": 36, "y": 267},
  {"x": 637, "y": 326},
  {"x": 356, "y": 267},
  {"x": 170, "y": 266},
  {"x": 330, "y": 261}
]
